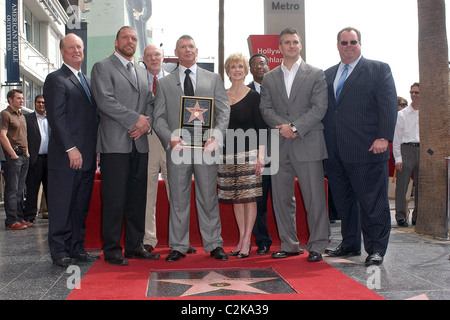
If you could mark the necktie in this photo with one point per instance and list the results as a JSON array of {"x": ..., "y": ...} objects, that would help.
[
  {"x": 84, "y": 85},
  {"x": 341, "y": 81},
  {"x": 154, "y": 84},
  {"x": 132, "y": 72},
  {"x": 188, "y": 87}
]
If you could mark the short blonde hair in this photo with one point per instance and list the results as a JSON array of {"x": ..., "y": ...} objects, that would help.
[{"x": 236, "y": 57}]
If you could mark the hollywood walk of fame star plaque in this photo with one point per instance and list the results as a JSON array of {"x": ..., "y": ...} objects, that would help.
[
  {"x": 222, "y": 282},
  {"x": 196, "y": 118}
]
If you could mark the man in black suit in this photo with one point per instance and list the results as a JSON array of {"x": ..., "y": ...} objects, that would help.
[
  {"x": 37, "y": 136},
  {"x": 259, "y": 66},
  {"x": 359, "y": 123},
  {"x": 73, "y": 119}
]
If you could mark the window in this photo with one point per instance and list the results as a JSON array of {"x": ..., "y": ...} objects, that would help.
[{"x": 32, "y": 28}]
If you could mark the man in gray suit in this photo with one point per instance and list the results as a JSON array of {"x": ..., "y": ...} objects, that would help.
[
  {"x": 294, "y": 101},
  {"x": 125, "y": 102},
  {"x": 167, "y": 116}
]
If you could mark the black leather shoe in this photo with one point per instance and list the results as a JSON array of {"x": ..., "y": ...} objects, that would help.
[
  {"x": 63, "y": 262},
  {"x": 142, "y": 254},
  {"x": 374, "y": 259},
  {"x": 314, "y": 257},
  {"x": 285, "y": 254},
  {"x": 191, "y": 250},
  {"x": 148, "y": 247},
  {"x": 233, "y": 253},
  {"x": 219, "y": 254},
  {"x": 85, "y": 257},
  {"x": 116, "y": 260},
  {"x": 262, "y": 250},
  {"x": 341, "y": 252},
  {"x": 402, "y": 223},
  {"x": 175, "y": 255}
]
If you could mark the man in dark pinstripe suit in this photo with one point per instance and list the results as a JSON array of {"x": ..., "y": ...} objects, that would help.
[{"x": 359, "y": 124}]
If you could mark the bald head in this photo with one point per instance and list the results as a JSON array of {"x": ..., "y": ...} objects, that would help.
[
  {"x": 71, "y": 47},
  {"x": 153, "y": 58}
]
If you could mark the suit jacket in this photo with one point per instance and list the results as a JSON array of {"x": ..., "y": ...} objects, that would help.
[
  {"x": 72, "y": 118},
  {"x": 120, "y": 103},
  {"x": 365, "y": 111},
  {"x": 33, "y": 136},
  {"x": 305, "y": 108},
  {"x": 168, "y": 97}
]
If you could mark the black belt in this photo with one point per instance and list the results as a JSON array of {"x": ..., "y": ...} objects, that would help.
[
  {"x": 414, "y": 144},
  {"x": 42, "y": 155}
]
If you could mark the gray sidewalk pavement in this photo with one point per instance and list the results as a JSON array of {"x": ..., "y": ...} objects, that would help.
[{"x": 415, "y": 266}]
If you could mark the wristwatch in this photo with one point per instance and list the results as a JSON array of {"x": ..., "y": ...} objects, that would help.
[{"x": 294, "y": 129}]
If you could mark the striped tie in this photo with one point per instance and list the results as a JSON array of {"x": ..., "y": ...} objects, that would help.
[{"x": 341, "y": 81}]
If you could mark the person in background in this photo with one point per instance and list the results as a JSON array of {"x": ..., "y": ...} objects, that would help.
[
  {"x": 406, "y": 149},
  {"x": 157, "y": 163},
  {"x": 37, "y": 136},
  {"x": 402, "y": 103},
  {"x": 239, "y": 175},
  {"x": 13, "y": 138},
  {"x": 259, "y": 66}
]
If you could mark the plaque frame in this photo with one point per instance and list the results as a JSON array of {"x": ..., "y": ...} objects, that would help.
[{"x": 192, "y": 122}]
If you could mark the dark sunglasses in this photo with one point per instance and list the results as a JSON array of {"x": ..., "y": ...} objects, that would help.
[
  {"x": 403, "y": 104},
  {"x": 416, "y": 92},
  {"x": 345, "y": 43}
]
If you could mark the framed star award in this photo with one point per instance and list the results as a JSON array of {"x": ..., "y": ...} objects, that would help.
[{"x": 196, "y": 118}]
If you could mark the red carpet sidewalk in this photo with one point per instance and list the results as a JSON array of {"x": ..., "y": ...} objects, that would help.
[{"x": 308, "y": 281}]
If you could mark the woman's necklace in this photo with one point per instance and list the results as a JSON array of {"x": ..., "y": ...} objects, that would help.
[{"x": 235, "y": 95}]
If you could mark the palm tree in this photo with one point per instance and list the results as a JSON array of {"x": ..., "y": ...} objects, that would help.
[
  {"x": 434, "y": 118},
  {"x": 221, "y": 38}
]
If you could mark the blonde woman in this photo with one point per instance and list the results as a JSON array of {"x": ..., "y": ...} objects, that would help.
[{"x": 240, "y": 180}]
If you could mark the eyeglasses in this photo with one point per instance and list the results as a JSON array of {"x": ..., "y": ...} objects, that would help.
[
  {"x": 415, "y": 92},
  {"x": 156, "y": 55},
  {"x": 345, "y": 43},
  {"x": 403, "y": 104},
  {"x": 260, "y": 64}
]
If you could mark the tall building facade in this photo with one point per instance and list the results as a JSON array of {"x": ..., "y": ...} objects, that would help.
[{"x": 40, "y": 26}]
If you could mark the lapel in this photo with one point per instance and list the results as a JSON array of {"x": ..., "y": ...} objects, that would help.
[
  {"x": 356, "y": 73},
  {"x": 35, "y": 123},
  {"x": 201, "y": 82},
  {"x": 175, "y": 81},
  {"x": 299, "y": 79},
  {"x": 123, "y": 70},
  {"x": 75, "y": 81},
  {"x": 280, "y": 85}
]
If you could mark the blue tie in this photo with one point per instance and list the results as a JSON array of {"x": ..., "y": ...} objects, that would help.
[
  {"x": 341, "y": 81},
  {"x": 85, "y": 86}
]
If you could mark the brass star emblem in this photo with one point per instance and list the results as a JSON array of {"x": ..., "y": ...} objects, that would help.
[{"x": 196, "y": 112}]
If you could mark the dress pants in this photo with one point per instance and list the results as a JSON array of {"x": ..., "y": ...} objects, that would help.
[
  {"x": 360, "y": 195},
  {"x": 262, "y": 236},
  {"x": 69, "y": 197},
  {"x": 37, "y": 173},
  {"x": 180, "y": 181},
  {"x": 156, "y": 163},
  {"x": 410, "y": 158},
  {"x": 312, "y": 185},
  {"x": 124, "y": 190}
]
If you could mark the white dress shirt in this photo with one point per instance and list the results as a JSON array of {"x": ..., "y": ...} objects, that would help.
[
  {"x": 406, "y": 130},
  {"x": 351, "y": 67},
  {"x": 289, "y": 75},
  {"x": 182, "y": 69},
  {"x": 43, "y": 129}
]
